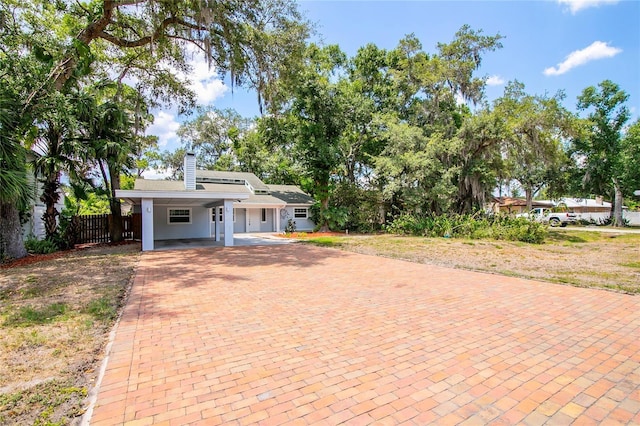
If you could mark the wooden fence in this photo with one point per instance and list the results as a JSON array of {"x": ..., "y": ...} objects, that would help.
[{"x": 95, "y": 228}]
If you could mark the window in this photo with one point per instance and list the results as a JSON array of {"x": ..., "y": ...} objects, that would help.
[
  {"x": 177, "y": 216},
  {"x": 220, "y": 214},
  {"x": 263, "y": 215},
  {"x": 300, "y": 213}
]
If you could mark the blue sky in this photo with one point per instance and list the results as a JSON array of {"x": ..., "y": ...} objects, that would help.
[{"x": 549, "y": 45}]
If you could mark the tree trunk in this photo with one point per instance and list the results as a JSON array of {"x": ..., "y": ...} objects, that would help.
[
  {"x": 50, "y": 197},
  {"x": 11, "y": 244},
  {"x": 115, "y": 225},
  {"x": 324, "y": 206},
  {"x": 529, "y": 195},
  {"x": 617, "y": 205}
]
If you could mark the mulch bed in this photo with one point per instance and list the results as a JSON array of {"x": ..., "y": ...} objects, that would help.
[{"x": 35, "y": 258}]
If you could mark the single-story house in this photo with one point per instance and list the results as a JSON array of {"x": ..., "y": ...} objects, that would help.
[
  {"x": 211, "y": 204},
  {"x": 511, "y": 205},
  {"x": 586, "y": 205}
]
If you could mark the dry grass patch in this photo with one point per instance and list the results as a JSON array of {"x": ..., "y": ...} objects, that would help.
[
  {"x": 55, "y": 316},
  {"x": 580, "y": 258}
]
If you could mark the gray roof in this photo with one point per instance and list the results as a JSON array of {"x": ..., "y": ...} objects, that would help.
[
  {"x": 178, "y": 185},
  {"x": 290, "y": 194},
  {"x": 263, "y": 199}
]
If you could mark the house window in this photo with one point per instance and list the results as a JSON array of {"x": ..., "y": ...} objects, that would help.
[
  {"x": 263, "y": 215},
  {"x": 179, "y": 216},
  {"x": 300, "y": 213},
  {"x": 220, "y": 214}
]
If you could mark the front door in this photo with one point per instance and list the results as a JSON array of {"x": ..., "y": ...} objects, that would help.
[{"x": 253, "y": 220}]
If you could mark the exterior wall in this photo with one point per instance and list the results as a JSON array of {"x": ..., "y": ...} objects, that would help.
[
  {"x": 198, "y": 228},
  {"x": 301, "y": 224},
  {"x": 632, "y": 217},
  {"x": 240, "y": 224},
  {"x": 268, "y": 225}
]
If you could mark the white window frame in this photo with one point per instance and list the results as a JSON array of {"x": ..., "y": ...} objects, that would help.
[
  {"x": 169, "y": 215},
  {"x": 300, "y": 210},
  {"x": 263, "y": 215},
  {"x": 220, "y": 212}
]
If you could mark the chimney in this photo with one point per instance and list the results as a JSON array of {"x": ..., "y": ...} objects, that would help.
[
  {"x": 599, "y": 200},
  {"x": 190, "y": 171}
]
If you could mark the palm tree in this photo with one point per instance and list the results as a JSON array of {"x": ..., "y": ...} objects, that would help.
[{"x": 14, "y": 185}]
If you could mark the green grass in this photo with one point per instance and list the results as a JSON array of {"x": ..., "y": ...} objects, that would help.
[
  {"x": 325, "y": 241},
  {"x": 102, "y": 309},
  {"x": 28, "y": 315},
  {"x": 631, "y": 265}
]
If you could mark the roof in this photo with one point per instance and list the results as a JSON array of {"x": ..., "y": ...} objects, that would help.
[
  {"x": 216, "y": 176},
  {"x": 263, "y": 200},
  {"x": 178, "y": 186},
  {"x": 516, "y": 202},
  {"x": 290, "y": 194},
  {"x": 585, "y": 202}
]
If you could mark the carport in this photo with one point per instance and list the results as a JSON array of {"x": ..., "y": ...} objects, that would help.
[{"x": 155, "y": 207}]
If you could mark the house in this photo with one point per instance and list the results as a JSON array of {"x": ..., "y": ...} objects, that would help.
[
  {"x": 214, "y": 204},
  {"x": 586, "y": 205},
  {"x": 511, "y": 205}
]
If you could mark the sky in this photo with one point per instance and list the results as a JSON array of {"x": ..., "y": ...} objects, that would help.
[{"x": 549, "y": 45}]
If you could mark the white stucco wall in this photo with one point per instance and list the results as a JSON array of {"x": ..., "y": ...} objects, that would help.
[
  {"x": 199, "y": 227},
  {"x": 301, "y": 224}
]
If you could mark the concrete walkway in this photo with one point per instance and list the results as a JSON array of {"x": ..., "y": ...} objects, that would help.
[{"x": 293, "y": 334}]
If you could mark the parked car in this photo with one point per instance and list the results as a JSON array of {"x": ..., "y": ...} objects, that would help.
[{"x": 553, "y": 218}]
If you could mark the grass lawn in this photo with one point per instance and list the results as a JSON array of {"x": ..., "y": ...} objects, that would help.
[
  {"x": 55, "y": 317},
  {"x": 580, "y": 258}
]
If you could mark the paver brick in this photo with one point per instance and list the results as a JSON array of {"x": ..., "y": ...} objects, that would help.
[{"x": 298, "y": 334}]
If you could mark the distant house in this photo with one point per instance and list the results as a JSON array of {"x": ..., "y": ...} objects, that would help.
[
  {"x": 586, "y": 205},
  {"x": 215, "y": 204},
  {"x": 511, "y": 205}
]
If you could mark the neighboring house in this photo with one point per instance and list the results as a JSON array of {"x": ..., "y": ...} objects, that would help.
[
  {"x": 515, "y": 205},
  {"x": 214, "y": 204},
  {"x": 586, "y": 205}
]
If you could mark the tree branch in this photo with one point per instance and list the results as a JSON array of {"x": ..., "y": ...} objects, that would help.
[{"x": 120, "y": 42}]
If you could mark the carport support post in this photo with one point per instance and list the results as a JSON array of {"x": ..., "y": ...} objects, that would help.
[
  {"x": 147, "y": 224},
  {"x": 216, "y": 214},
  {"x": 228, "y": 223}
]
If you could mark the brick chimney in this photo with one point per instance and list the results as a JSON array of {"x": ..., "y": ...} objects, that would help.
[{"x": 190, "y": 171}]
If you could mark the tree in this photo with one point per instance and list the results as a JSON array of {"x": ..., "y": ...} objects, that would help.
[
  {"x": 599, "y": 150},
  {"x": 535, "y": 127},
  {"x": 14, "y": 186},
  {"x": 631, "y": 159},
  {"x": 232, "y": 35},
  {"x": 315, "y": 121},
  {"x": 212, "y": 136}
]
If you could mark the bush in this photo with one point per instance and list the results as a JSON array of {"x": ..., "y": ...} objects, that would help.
[
  {"x": 476, "y": 226},
  {"x": 36, "y": 246}
]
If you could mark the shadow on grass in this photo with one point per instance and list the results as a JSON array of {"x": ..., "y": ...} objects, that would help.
[{"x": 570, "y": 237}]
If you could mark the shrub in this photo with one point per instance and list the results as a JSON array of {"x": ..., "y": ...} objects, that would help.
[
  {"x": 499, "y": 227},
  {"x": 36, "y": 246}
]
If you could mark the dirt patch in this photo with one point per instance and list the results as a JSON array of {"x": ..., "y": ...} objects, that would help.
[{"x": 55, "y": 315}]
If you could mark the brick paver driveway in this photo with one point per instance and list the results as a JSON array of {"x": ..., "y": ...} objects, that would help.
[{"x": 308, "y": 335}]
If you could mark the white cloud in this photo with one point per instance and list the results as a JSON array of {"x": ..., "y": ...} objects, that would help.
[
  {"x": 577, "y": 5},
  {"x": 164, "y": 127},
  {"x": 597, "y": 50},
  {"x": 495, "y": 80},
  {"x": 205, "y": 82}
]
